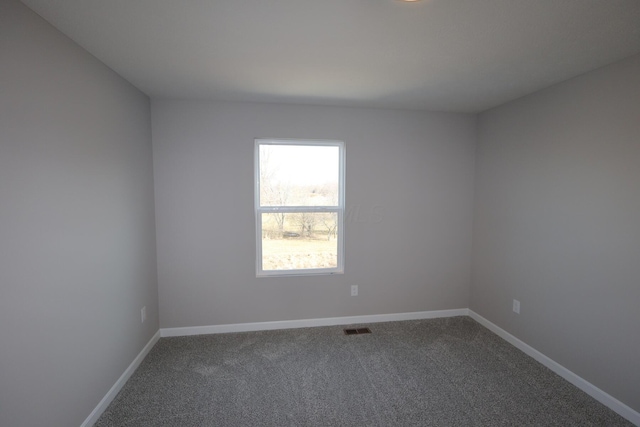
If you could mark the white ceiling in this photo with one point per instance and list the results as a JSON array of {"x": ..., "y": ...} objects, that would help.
[{"x": 446, "y": 55}]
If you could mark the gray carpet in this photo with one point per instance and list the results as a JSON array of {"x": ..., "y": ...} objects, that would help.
[{"x": 440, "y": 372}]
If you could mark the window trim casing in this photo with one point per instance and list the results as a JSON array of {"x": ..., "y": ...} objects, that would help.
[{"x": 339, "y": 209}]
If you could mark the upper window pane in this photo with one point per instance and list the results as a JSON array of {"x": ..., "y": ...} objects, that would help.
[{"x": 299, "y": 175}]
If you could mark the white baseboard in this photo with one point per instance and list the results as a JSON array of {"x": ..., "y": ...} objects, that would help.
[
  {"x": 584, "y": 385},
  {"x": 111, "y": 394},
  {"x": 309, "y": 323}
]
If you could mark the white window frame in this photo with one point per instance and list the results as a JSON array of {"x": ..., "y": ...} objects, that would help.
[{"x": 339, "y": 209}]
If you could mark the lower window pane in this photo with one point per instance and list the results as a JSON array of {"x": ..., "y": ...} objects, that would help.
[{"x": 299, "y": 241}]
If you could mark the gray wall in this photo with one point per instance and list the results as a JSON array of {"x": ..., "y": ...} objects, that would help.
[
  {"x": 557, "y": 224},
  {"x": 77, "y": 245},
  {"x": 409, "y": 179}
]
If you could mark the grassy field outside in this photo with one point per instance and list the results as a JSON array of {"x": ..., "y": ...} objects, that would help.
[{"x": 299, "y": 253}]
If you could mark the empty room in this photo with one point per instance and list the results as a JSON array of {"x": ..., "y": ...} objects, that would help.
[{"x": 319, "y": 213}]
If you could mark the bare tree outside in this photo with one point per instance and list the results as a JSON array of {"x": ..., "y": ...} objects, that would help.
[
  {"x": 307, "y": 222},
  {"x": 330, "y": 222},
  {"x": 272, "y": 191}
]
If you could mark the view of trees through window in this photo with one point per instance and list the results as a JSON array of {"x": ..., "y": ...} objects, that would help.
[{"x": 299, "y": 205}]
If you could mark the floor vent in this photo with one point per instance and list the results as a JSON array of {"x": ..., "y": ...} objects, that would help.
[{"x": 357, "y": 331}]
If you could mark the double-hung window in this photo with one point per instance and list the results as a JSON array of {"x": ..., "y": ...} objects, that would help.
[{"x": 299, "y": 207}]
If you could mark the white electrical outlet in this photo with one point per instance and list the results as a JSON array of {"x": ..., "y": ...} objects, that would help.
[
  {"x": 143, "y": 314},
  {"x": 516, "y": 306},
  {"x": 354, "y": 290}
]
